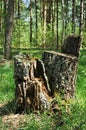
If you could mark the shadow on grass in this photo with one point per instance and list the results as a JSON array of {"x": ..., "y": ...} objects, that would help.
[{"x": 6, "y": 109}]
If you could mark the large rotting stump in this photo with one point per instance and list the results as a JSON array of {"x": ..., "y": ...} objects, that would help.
[
  {"x": 32, "y": 88},
  {"x": 38, "y": 81}
]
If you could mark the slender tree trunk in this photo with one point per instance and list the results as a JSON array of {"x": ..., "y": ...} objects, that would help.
[
  {"x": 66, "y": 16},
  {"x": 53, "y": 21},
  {"x": 36, "y": 24},
  {"x": 0, "y": 15},
  {"x": 49, "y": 9},
  {"x": 30, "y": 22},
  {"x": 8, "y": 29},
  {"x": 54, "y": 15},
  {"x": 57, "y": 38},
  {"x": 41, "y": 11},
  {"x": 19, "y": 15},
  {"x": 81, "y": 18},
  {"x": 73, "y": 16},
  {"x": 44, "y": 22},
  {"x": 85, "y": 16},
  {"x": 63, "y": 21},
  {"x": 53, "y": 18},
  {"x": 5, "y": 11}
]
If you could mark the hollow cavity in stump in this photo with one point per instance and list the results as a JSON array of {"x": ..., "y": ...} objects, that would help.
[{"x": 32, "y": 87}]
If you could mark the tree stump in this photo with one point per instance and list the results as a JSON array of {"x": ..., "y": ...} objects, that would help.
[
  {"x": 61, "y": 68},
  {"x": 32, "y": 88},
  {"x": 37, "y": 81},
  {"x": 61, "y": 72}
]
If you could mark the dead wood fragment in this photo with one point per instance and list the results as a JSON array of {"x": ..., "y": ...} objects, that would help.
[{"x": 71, "y": 45}]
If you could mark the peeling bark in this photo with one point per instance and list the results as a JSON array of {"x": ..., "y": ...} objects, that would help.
[{"x": 32, "y": 88}]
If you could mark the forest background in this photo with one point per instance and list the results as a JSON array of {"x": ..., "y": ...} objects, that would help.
[
  {"x": 40, "y": 23},
  {"x": 32, "y": 26}
]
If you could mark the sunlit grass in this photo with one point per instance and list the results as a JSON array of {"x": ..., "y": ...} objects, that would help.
[{"x": 6, "y": 82}]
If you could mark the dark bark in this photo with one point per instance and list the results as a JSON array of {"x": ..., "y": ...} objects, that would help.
[
  {"x": 71, "y": 45},
  {"x": 73, "y": 16},
  {"x": 8, "y": 29},
  {"x": 49, "y": 10}
]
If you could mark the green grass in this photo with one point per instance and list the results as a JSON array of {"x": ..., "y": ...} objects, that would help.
[
  {"x": 75, "y": 120},
  {"x": 6, "y": 82}
]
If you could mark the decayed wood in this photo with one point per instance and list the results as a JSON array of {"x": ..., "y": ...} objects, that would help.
[
  {"x": 61, "y": 72},
  {"x": 71, "y": 45},
  {"x": 32, "y": 88},
  {"x": 37, "y": 81}
]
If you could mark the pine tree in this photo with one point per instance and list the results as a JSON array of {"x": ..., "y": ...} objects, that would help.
[
  {"x": 0, "y": 15},
  {"x": 8, "y": 29},
  {"x": 73, "y": 16},
  {"x": 30, "y": 22}
]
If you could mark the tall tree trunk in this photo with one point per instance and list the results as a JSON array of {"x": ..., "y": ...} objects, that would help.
[
  {"x": 53, "y": 21},
  {"x": 73, "y": 16},
  {"x": 5, "y": 11},
  {"x": 57, "y": 38},
  {"x": 53, "y": 17},
  {"x": 85, "y": 16},
  {"x": 66, "y": 16},
  {"x": 44, "y": 22},
  {"x": 63, "y": 21},
  {"x": 81, "y": 18},
  {"x": 0, "y": 15},
  {"x": 49, "y": 9},
  {"x": 8, "y": 30},
  {"x": 41, "y": 11},
  {"x": 36, "y": 23},
  {"x": 19, "y": 15},
  {"x": 30, "y": 22}
]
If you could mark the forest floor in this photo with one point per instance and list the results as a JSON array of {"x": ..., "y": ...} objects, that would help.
[{"x": 75, "y": 120}]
